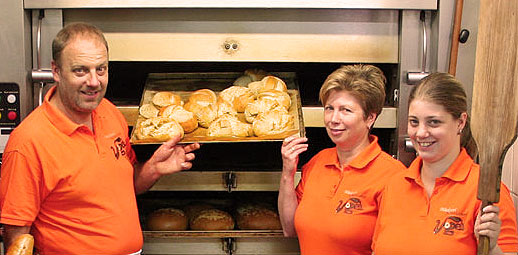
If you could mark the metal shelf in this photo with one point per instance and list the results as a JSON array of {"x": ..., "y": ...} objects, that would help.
[{"x": 305, "y": 4}]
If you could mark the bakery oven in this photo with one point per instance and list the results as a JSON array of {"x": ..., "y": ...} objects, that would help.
[{"x": 302, "y": 40}]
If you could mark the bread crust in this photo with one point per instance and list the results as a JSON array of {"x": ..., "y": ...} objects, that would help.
[
  {"x": 148, "y": 111},
  {"x": 273, "y": 122},
  {"x": 257, "y": 217},
  {"x": 185, "y": 118},
  {"x": 167, "y": 219},
  {"x": 212, "y": 219},
  {"x": 22, "y": 245},
  {"x": 165, "y": 98},
  {"x": 159, "y": 128}
]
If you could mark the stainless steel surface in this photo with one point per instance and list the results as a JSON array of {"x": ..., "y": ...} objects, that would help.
[
  {"x": 352, "y": 4},
  {"x": 410, "y": 29},
  {"x": 15, "y": 55},
  {"x": 44, "y": 28},
  {"x": 260, "y": 35}
]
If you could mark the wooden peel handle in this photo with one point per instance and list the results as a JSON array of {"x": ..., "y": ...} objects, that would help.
[{"x": 483, "y": 241}]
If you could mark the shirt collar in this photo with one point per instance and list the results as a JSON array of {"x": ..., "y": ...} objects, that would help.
[
  {"x": 458, "y": 171},
  {"x": 57, "y": 117},
  {"x": 364, "y": 158}
]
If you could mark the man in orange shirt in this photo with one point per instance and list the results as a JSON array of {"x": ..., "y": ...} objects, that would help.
[{"x": 69, "y": 175}]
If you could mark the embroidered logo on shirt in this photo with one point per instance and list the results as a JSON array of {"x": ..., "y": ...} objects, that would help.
[
  {"x": 118, "y": 147},
  {"x": 350, "y": 205},
  {"x": 448, "y": 225}
]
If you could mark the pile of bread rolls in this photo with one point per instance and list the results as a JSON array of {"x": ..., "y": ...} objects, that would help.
[
  {"x": 206, "y": 217},
  {"x": 262, "y": 99}
]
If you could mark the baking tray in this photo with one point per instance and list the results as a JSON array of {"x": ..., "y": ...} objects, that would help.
[{"x": 185, "y": 83}]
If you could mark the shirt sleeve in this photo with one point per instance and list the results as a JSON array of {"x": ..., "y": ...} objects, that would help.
[
  {"x": 508, "y": 239},
  {"x": 21, "y": 189}
]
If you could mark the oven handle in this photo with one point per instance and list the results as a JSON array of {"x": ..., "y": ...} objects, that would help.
[
  {"x": 39, "y": 75},
  {"x": 415, "y": 77}
]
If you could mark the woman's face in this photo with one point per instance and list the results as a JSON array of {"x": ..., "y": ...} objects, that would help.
[
  {"x": 344, "y": 119},
  {"x": 433, "y": 131}
]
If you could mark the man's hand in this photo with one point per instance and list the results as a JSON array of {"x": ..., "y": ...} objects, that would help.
[{"x": 167, "y": 159}]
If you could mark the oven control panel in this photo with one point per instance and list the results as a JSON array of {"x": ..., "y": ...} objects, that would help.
[{"x": 9, "y": 111}]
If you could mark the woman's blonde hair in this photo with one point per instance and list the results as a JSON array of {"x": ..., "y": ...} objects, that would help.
[
  {"x": 443, "y": 89},
  {"x": 365, "y": 82}
]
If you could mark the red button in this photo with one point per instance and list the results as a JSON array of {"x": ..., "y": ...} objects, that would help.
[{"x": 12, "y": 115}]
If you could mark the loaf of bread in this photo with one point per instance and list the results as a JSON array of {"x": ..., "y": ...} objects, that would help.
[
  {"x": 283, "y": 98},
  {"x": 185, "y": 118},
  {"x": 159, "y": 129},
  {"x": 167, "y": 219},
  {"x": 203, "y": 97},
  {"x": 193, "y": 209},
  {"x": 229, "y": 126},
  {"x": 22, "y": 245},
  {"x": 165, "y": 98},
  {"x": 212, "y": 219},
  {"x": 257, "y": 107},
  {"x": 272, "y": 122},
  {"x": 257, "y": 217}
]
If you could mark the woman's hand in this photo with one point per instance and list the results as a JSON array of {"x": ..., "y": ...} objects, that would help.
[
  {"x": 291, "y": 148},
  {"x": 488, "y": 224}
]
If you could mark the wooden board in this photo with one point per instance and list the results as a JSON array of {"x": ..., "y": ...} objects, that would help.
[
  {"x": 185, "y": 83},
  {"x": 495, "y": 91}
]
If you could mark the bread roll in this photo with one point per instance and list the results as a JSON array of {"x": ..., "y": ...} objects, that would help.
[
  {"x": 229, "y": 126},
  {"x": 148, "y": 111},
  {"x": 273, "y": 122},
  {"x": 22, "y": 245},
  {"x": 167, "y": 219},
  {"x": 225, "y": 108},
  {"x": 242, "y": 81},
  {"x": 159, "y": 129},
  {"x": 185, "y": 118},
  {"x": 204, "y": 114},
  {"x": 203, "y": 97},
  {"x": 283, "y": 98},
  {"x": 255, "y": 86},
  {"x": 212, "y": 219},
  {"x": 272, "y": 82},
  {"x": 232, "y": 92},
  {"x": 241, "y": 102},
  {"x": 257, "y": 107},
  {"x": 165, "y": 98},
  {"x": 256, "y": 74},
  {"x": 257, "y": 217}
]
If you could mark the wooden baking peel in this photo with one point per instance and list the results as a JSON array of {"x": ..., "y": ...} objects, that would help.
[{"x": 495, "y": 95}]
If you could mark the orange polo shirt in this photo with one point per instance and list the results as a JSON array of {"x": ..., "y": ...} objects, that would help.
[
  {"x": 410, "y": 222},
  {"x": 73, "y": 186},
  {"x": 338, "y": 207}
]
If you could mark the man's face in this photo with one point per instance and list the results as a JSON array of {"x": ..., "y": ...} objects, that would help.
[{"x": 82, "y": 76}]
